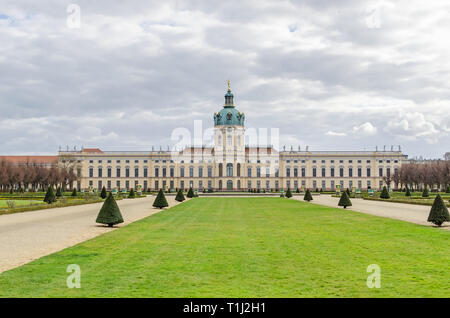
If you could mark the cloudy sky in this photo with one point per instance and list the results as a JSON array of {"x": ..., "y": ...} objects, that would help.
[{"x": 334, "y": 75}]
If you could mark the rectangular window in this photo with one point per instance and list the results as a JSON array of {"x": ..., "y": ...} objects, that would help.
[
  {"x": 91, "y": 172},
  {"x": 368, "y": 172},
  {"x": 136, "y": 172},
  {"x": 295, "y": 172},
  {"x": 303, "y": 172},
  {"x": 182, "y": 173},
  {"x": 182, "y": 184},
  {"x": 109, "y": 172},
  {"x": 288, "y": 172},
  {"x": 267, "y": 172},
  {"x": 156, "y": 174},
  {"x": 200, "y": 173},
  {"x": 341, "y": 172},
  {"x": 109, "y": 185},
  {"x": 258, "y": 172},
  {"x": 127, "y": 185},
  {"x": 350, "y": 172},
  {"x": 145, "y": 174},
  {"x": 191, "y": 171},
  {"x": 314, "y": 172},
  {"x": 157, "y": 184},
  {"x": 118, "y": 184},
  {"x": 209, "y": 173},
  {"x": 249, "y": 172},
  {"x": 127, "y": 172},
  {"x": 172, "y": 172},
  {"x": 145, "y": 185},
  {"x": 118, "y": 172},
  {"x": 164, "y": 171},
  {"x": 380, "y": 172},
  {"x": 388, "y": 172},
  {"x": 100, "y": 185},
  {"x": 332, "y": 172},
  {"x": 359, "y": 173},
  {"x": 323, "y": 172}
]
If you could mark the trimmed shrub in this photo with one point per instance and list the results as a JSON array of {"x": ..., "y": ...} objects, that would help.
[
  {"x": 50, "y": 196},
  {"x": 348, "y": 192},
  {"x": 425, "y": 193},
  {"x": 439, "y": 212},
  {"x": 59, "y": 192},
  {"x": 132, "y": 194},
  {"x": 103, "y": 194},
  {"x": 160, "y": 201},
  {"x": 345, "y": 200},
  {"x": 74, "y": 192},
  {"x": 109, "y": 213},
  {"x": 298, "y": 190},
  {"x": 408, "y": 193},
  {"x": 190, "y": 193},
  {"x": 288, "y": 193},
  {"x": 180, "y": 196},
  {"x": 385, "y": 193},
  {"x": 308, "y": 196},
  {"x": 448, "y": 189}
]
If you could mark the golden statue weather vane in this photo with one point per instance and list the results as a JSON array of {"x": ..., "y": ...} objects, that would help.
[{"x": 228, "y": 84}]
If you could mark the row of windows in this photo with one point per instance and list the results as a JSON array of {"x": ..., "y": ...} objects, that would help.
[
  {"x": 170, "y": 172},
  {"x": 229, "y": 184}
]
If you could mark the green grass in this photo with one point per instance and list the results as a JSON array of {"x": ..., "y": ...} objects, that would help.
[
  {"x": 19, "y": 203},
  {"x": 246, "y": 247}
]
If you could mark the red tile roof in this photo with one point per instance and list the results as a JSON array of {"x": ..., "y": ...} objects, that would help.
[
  {"x": 31, "y": 159},
  {"x": 92, "y": 150}
]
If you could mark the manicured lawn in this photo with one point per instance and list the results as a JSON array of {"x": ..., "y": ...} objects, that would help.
[
  {"x": 247, "y": 247},
  {"x": 19, "y": 203}
]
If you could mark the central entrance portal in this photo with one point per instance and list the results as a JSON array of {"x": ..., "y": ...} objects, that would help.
[{"x": 229, "y": 185}]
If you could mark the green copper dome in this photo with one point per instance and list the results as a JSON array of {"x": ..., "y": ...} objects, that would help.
[{"x": 229, "y": 115}]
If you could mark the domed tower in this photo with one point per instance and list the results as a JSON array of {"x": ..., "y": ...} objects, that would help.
[{"x": 229, "y": 143}]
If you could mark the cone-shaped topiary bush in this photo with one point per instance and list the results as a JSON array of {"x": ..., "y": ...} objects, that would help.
[
  {"x": 160, "y": 201},
  {"x": 132, "y": 194},
  {"x": 348, "y": 192},
  {"x": 308, "y": 196},
  {"x": 50, "y": 196},
  {"x": 345, "y": 200},
  {"x": 180, "y": 196},
  {"x": 103, "y": 194},
  {"x": 425, "y": 193},
  {"x": 439, "y": 212},
  {"x": 59, "y": 192},
  {"x": 385, "y": 193},
  {"x": 190, "y": 193},
  {"x": 74, "y": 192},
  {"x": 408, "y": 193},
  {"x": 288, "y": 193},
  {"x": 109, "y": 213},
  {"x": 448, "y": 189}
]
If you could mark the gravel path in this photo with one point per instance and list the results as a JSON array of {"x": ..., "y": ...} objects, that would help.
[
  {"x": 30, "y": 235},
  {"x": 400, "y": 211}
]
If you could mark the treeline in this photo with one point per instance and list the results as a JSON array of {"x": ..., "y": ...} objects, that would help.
[
  {"x": 417, "y": 176},
  {"x": 34, "y": 176}
]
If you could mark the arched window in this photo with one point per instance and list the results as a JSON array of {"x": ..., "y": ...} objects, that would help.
[
  {"x": 220, "y": 184},
  {"x": 229, "y": 185},
  {"x": 229, "y": 169},
  {"x": 220, "y": 170}
]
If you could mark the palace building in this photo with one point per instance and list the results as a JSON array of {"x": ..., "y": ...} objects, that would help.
[{"x": 230, "y": 164}]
